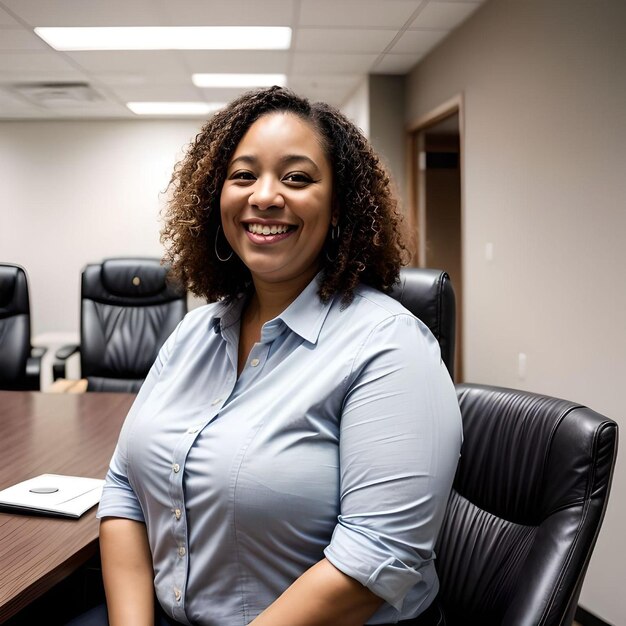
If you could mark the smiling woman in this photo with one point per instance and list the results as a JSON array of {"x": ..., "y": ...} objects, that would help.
[
  {"x": 289, "y": 458},
  {"x": 369, "y": 243},
  {"x": 276, "y": 200}
]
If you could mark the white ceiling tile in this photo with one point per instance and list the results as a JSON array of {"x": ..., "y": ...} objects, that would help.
[
  {"x": 108, "y": 112},
  {"x": 6, "y": 19},
  {"x": 103, "y": 110},
  {"x": 343, "y": 40},
  {"x": 327, "y": 88},
  {"x": 231, "y": 13},
  {"x": 334, "y": 97},
  {"x": 16, "y": 62},
  {"x": 22, "y": 113},
  {"x": 157, "y": 91},
  {"x": 66, "y": 76},
  {"x": 139, "y": 80},
  {"x": 259, "y": 61},
  {"x": 418, "y": 42},
  {"x": 324, "y": 81},
  {"x": 215, "y": 94},
  {"x": 151, "y": 62},
  {"x": 87, "y": 12},
  {"x": 18, "y": 39},
  {"x": 9, "y": 99},
  {"x": 357, "y": 13},
  {"x": 445, "y": 15},
  {"x": 396, "y": 64},
  {"x": 309, "y": 63}
]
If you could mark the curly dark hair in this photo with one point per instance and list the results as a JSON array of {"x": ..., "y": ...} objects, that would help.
[{"x": 371, "y": 247}]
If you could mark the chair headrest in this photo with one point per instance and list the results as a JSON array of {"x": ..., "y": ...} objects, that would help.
[
  {"x": 13, "y": 290},
  {"x": 133, "y": 277},
  {"x": 129, "y": 282},
  {"x": 429, "y": 295},
  {"x": 8, "y": 275}
]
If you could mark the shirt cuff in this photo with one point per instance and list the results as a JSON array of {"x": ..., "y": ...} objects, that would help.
[
  {"x": 369, "y": 561},
  {"x": 117, "y": 502}
]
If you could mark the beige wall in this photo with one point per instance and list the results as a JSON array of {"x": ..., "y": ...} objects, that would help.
[
  {"x": 377, "y": 107},
  {"x": 386, "y": 126},
  {"x": 357, "y": 107},
  {"x": 544, "y": 86}
]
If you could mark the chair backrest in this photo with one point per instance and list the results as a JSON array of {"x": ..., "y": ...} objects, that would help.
[
  {"x": 128, "y": 309},
  {"x": 527, "y": 504},
  {"x": 429, "y": 295},
  {"x": 14, "y": 327}
]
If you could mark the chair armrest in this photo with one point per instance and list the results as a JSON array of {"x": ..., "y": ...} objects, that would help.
[
  {"x": 61, "y": 356},
  {"x": 65, "y": 352},
  {"x": 33, "y": 368},
  {"x": 38, "y": 352}
]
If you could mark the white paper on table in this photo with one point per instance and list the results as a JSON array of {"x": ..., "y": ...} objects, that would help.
[{"x": 75, "y": 495}]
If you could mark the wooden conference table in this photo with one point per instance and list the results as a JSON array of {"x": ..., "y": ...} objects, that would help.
[{"x": 45, "y": 433}]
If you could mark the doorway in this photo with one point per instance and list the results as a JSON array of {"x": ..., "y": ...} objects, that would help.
[{"x": 436, "y": 200}]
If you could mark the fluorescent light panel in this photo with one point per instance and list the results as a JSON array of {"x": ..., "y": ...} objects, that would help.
[
  {"x": 174, "y": 108},
  {"x": 238, "y": 80},
  {"x": 167, "y": 37}
]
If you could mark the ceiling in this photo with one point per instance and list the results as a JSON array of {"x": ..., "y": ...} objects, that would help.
[{"x": 335, "y": 43}]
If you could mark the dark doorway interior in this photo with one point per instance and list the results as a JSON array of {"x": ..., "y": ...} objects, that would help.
[{"x": 439, "y": 208}]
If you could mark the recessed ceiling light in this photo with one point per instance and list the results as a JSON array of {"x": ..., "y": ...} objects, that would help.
[
  {"x": 238, "y": 80},
  {"x": 174, "y": 108},
  {"x": 167, "y": 37}
]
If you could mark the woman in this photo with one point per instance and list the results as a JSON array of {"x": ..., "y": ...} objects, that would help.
[{"x": 288, "y": 460}]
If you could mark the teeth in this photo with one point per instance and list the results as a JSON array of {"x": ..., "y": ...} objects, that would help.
[{"x": 274, "y": 229}]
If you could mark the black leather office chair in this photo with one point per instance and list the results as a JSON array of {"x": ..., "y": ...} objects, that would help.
[
  {"x": 527, "y": 504},
  {"x": 529, "y": 494},
  {"x": 429, "y": 295},
  {"x": 128, "y": 309},
  {"x": 20, "y": 363}
]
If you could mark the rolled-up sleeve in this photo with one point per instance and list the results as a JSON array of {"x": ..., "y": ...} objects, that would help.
[
  {"x": 400, "y": 439},
  {"x": 118, "y": 498}
]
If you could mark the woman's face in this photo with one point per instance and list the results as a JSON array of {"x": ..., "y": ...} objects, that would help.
[{"x": 276, "y": 201}]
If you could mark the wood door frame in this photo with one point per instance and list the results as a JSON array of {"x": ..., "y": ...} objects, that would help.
[{"x": 416, "y": 211}]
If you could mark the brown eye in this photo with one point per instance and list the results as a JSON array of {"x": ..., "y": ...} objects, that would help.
[
  {"x": 298, "y": 178},
  {"x": 242, "y": 175}
]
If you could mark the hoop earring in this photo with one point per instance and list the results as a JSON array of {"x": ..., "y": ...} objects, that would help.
[
  {"x": 217, "y": 254},
  {"x": 335, "y": 231}
]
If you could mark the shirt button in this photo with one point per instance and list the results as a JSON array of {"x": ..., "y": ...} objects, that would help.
[
  {"x": 177, "y": 513},
  {"x": 254, "y": 362},
  {"x": 176, "y": 468},
  {"x": 181, "y": 551},
  {"x": 177, "y": 594},
  {"x": 216, "y": 401}
]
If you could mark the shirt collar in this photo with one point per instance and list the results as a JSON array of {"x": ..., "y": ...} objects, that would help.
[
  {"x": 304, "y": 316},
  {"x": 226, "y": 313}
]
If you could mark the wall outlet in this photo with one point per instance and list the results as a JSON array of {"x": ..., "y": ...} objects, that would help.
[{"x": 521, "y": 365}]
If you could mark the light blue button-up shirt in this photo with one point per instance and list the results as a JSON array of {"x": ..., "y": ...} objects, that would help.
[{"x": 339, "y": 439}]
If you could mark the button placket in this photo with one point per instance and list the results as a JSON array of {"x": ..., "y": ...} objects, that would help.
[
  {"x": 258, "y": 356},
  {"x": 176, "y": 491}
]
